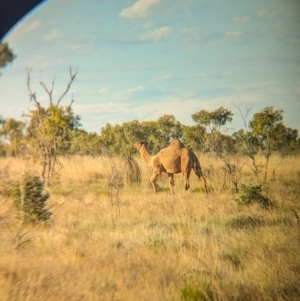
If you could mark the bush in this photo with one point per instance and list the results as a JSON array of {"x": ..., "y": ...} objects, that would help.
[
  {"x": 28, "y": 198},
  {"x": 252, "y": 194}
]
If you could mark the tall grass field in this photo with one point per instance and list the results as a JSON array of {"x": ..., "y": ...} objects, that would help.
[{"x": 109, "y": 238}]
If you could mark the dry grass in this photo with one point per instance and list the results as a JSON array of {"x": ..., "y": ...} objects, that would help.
[{"x": 108, "y": 240}]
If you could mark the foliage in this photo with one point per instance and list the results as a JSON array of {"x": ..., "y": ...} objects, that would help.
[
  {"x": 246, "y": 143},
  {"x": 11, "y": 134},
  {"x": 84, "y": 143},
  {"x": 252, "y": 194},
  {"x": 265, "y": 123},
  {"x": 213, "y": 121},
  {"x": 54, "y": 130},
  {"x": 194, "y": 137},
  {"x": 206, "y": 136},
  {"x": 267, "y": 127},
  {"x": 28, "y": 198},
  {"x": 6, "y": 55},
  {"x": 119, "y": 139},
  {"x": 168, "y": 128},
  {"x": 49, "y": 131},
  {"x": 51, "y": 128}
]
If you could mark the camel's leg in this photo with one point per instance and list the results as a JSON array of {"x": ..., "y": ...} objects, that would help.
[
  {"x": 186, "y": 176},
  {"x": 171, "y": 181},
  {"x": 201, "y": 178},
  {"x": 152, "y": 179},
  {"x": 204, "y": 183}
]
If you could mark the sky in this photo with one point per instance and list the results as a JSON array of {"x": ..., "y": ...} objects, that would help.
[{"x": 143, "y": 59}]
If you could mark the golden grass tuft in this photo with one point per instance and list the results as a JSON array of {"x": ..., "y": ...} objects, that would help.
[{"x": 110, "y": 240}]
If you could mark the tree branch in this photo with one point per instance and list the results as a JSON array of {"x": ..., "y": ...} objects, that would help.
[
  {"x": 32, "y": 95},
  {"x": 72, "y": 77},
  {"x": 47, "y": 91}
]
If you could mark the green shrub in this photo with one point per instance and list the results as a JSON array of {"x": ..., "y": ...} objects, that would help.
[
  {"x": 28, "y": 198},
  {"x": 252, "y": 194}
]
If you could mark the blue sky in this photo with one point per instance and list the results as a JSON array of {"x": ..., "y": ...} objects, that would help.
[{"x": 142, "y": 59}]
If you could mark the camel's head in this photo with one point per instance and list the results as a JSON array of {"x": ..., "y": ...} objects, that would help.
[{"x": 139, "y": 145}]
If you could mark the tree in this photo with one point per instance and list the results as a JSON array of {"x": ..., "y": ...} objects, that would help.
[
  {"x": 49, "y": 131},
  {"x": 151, "y": 135},
  {"x": 119, "y": 139},
  {"x": 246, "y": 143},
  {"x": 84, "y": 143},
  {"x": 266, "y": 125},
  {"x": 194, "y": 137},
  {"x": 213, "y": 121},
  {"x": 164, "y": 130},
  {"x": 11, "y": 134},
  {"x": 6, "y": 55},
  {"x": 285, "y": 139}
]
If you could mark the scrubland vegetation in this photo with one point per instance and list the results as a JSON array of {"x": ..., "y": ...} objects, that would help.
[
  {"x": 79, "y": 219},
  {"x": 109, "y": 238}
]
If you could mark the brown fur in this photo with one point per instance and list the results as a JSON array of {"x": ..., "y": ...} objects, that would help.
[{"x": 175, "y": 158}]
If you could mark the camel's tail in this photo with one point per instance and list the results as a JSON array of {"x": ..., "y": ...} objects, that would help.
[{"x": 198, "y": 170}]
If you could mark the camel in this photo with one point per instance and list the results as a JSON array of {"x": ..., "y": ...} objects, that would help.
[{"x": 175, "y": 158}]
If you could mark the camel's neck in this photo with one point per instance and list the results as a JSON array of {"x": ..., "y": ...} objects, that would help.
[{"x": 145, "y": 154}]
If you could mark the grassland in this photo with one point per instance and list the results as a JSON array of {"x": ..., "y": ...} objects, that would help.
[{"x": 110, "y": 240}]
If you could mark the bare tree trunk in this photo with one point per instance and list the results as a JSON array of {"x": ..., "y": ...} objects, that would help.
[
  {"x": 49, "y": 170},
  {"x": 267, "y": 159},
  {"x": 44, "y": 167}
]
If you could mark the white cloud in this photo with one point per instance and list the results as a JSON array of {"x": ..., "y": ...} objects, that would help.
[
  {"x": 155, "y": 35},
  {"x": 241, "y": 19},
  {"x": 111, "y": 107},
  {"x": 102, "y": 91},
  {"x": 255, "y": 95},
  {"x": 32, "y": 26},
  {"x": 51, "y": 35},
  {"x": 127, "y": 94},
  {"x": 139, "y": 9},
  {"x": 182, "y": 107}
]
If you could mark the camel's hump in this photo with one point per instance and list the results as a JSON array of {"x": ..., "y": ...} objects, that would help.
[{"x": 176, "y": 144}]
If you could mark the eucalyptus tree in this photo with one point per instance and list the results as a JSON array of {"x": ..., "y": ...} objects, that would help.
[
  {"x": 213, "y": 121},
  {"x": 11, "y": 135},
  {"x": 119, "y": 139},
  {"x": 267, "y": 126},
  {"x": 194, "y": 137}
]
